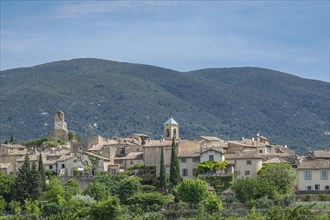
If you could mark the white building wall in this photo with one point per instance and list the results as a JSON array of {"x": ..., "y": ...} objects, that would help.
[{"x": 306, "y": 184}]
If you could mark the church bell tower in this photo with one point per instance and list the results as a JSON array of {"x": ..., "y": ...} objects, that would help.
[{"x": 171, "y": 129}]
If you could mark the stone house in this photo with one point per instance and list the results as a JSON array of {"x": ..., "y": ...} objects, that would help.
[
  {"x": 130, "y": 159},
  {"x": 247, "y": 164},
  {"x": 314, "y": 171},
  {"x": 6, "y": 168},
  {"x": 10, "y": 153}
]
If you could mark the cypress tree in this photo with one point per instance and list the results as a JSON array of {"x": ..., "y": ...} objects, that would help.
[
  {"x": 175, "y": 177},
  {"x": 42, "y": 172},
  {"x": 12, "y": 140},
  {"x": 34, "y": 183},
  {"x": 6, "y": 141},
  {"x": 22, "y": 185},
  {"x": 162, "y": 174}
]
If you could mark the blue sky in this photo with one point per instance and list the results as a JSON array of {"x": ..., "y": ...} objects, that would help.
[{"x": 289, "y": 36}]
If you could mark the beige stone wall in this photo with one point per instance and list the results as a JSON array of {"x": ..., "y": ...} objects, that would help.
[
  {"x": 216, "y": 155},
  {"x": 315, "y": 179},
  {"x": 189, "y": 164},
  {"x": 58, "y": 134},
  {"x": 152, "y": 156},
  {"x": 241, "y": 166}
]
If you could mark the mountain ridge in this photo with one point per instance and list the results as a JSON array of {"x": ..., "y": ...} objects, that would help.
[{"x": 226, "y": 102}]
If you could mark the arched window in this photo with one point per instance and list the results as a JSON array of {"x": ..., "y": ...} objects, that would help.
[
  {"x": 167, "y": 132},
  {"x": 174, "y": 132}
]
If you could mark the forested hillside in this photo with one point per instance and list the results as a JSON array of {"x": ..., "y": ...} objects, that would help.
[{"x": 113, "y": 98}]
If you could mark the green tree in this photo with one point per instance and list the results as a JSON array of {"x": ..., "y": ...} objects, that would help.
[
  {"x": 34, "y": 182},
  {"x": 255, "y": 215},
  {"x": 147, "y": 200},
  {"x": 175, "y": 177},
  {"x": 71, "y": 188},
  {"x": 192, "y": 191},
  {"x": 162, "y": 174},
  {"x": 212, "y": 204},
  {"x": 110, "y": 181},
  {"x": 7, "y": 183},
  {"x": 143, "y": 141},
  {"x": 97, "y": 190},
  {"x": 108, "y": 209},
  {"x": 42, "y": 172},
  {"x": 283, "y": 176},
  {"x": 128, "y": 187},
  {"x": 15, "y": 206},
  {"x": 31, "y": 207},
  {"x": 2, "y": 205},
  {"x": 12, "y": 140},
  {"x": 6, "y": 141},
  {"x": 71, "y": 135},
  {"x": 55, "y": 191},
  {"x": 250, "y": 189},
  {"x": 22, "y": 182}
]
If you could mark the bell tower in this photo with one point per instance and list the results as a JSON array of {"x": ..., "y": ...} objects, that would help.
[
  {"x": 59, "y": 122},
  {"x": 171, "y": 129},
  {"x": 60, "y": 131}
]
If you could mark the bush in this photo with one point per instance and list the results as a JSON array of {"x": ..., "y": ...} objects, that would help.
[
  {"x": 307, "y": 198},
  {"x": 322, "y": 197}
]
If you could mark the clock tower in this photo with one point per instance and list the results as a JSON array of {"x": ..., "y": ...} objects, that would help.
[{"x": 60, "y": 131}]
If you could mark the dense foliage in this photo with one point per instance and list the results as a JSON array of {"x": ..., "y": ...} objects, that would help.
[
  {"x": 284, "y": 177},
  {"x": 229, "y": 102},
  {"x": 210, "y": 166}
]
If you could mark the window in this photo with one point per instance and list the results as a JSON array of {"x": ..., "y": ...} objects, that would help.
[
  {"x": 237, "y": 173},
  {"x": 184, "y": 172},
  {"x": 317, "y": 187},
  {"x": 183, "y": 160},
  {"x": 260, "y": 151},
  {"x": 138, "y": 149},
  {"x": 63, "y": 166},
  {"x": 235, "y": 162},
  {"x": 324, "y": 174},
  {"x": 168, "y": 169},
  {"x": 80, "y": 149},
  {"x": 196, "y": 159},
  {"x": 211, "y": 157},
  {"x": 307, "y": 175},
  {"x": 132, "y": 162},
  {"x": 327, "y": 187},
  {"x": 50, "y": 167},
  {"x": 167, "y": 132},
  {"x": 74, "y": 161},
  {"x": 247, "y": 172},
  {"x": 249, "y": 162},
  {"x": 309, "y": 188},
  {"x": 174, "y": 131},
  {"x": 194, "y": 171}
]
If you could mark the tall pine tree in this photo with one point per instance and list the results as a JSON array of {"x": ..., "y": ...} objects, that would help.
[
  {"x": 175, "y": 177},
  {"x": 22, "y": 184},
  {"x": 12, "y": 140},
  {"x": 42, "y": 172},
  {"x": 34, "y": 183},
  {"x": 162, "y": 174}
]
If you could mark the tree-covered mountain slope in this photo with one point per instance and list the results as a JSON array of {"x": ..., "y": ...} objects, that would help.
[{"x": 113, "y": 98}]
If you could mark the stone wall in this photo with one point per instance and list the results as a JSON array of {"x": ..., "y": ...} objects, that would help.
[{"x": 82, "y": 180}]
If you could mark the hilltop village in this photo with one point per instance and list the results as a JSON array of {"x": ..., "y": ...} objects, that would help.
[{"x": 244, "y": 157}]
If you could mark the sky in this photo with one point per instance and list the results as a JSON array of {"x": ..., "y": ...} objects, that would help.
[{"x": 288, "y": 36}]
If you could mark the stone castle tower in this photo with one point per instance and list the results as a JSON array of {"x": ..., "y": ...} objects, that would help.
[
  {"x": 171, "y": 129},
  {"x": 60, "y": 131}
]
